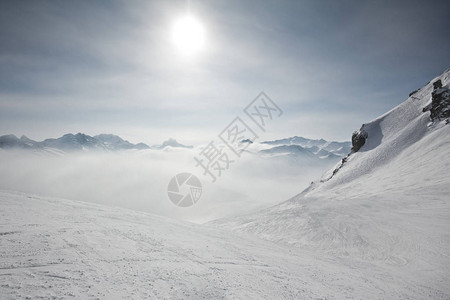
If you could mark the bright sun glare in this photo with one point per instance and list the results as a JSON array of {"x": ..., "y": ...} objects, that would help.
[{"x": 188, "y": 35}]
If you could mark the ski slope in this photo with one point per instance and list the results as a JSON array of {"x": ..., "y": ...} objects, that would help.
[
  {"x": 387, "y": 205},
  {"x": 60, "y": 249}
]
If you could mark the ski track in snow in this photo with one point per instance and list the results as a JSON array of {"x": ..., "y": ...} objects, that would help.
[{"x": 57, "y": 249}]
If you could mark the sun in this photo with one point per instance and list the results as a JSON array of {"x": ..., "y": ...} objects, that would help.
[{"x": 188, "y": 35}]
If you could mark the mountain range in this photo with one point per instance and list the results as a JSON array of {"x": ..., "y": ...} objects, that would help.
[
  {"x": 320, "y": 147},
  {"x": 293, "y": 147},
  {"x": 81, "y": 142}
]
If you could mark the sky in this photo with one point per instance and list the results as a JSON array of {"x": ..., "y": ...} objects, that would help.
[{"x": 111, "y": 66}]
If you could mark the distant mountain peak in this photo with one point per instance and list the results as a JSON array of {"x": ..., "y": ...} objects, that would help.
[{"x": 171, "y": 142}]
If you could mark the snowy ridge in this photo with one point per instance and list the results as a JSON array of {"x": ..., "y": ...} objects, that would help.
[
  {"x": 386, "y": 205},
  {"x": 390, "y": 134}
]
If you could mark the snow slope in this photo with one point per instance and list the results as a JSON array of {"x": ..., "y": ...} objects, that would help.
[
  {"x": 387, "y": 205},
  {"x": 56, "y": 249}
]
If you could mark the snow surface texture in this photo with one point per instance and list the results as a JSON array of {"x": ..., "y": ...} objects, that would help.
[
  {"x": 375, "y": 229},
  {"x": 55, "y": 249},
  {"x": 388, "y": 205}
]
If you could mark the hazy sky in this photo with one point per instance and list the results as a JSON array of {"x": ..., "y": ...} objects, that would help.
[{"x": 111, "y": 67}]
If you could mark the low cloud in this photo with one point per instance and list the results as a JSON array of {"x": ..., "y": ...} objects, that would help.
[{"x": 138, "y": 180}]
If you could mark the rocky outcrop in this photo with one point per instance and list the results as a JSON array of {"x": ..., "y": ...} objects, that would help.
[
  {"x": 412, "y": 93},
  {"x": 440, "y": 102},
  {"x": 359, "y": 139},
  {"x": 437, "y": 84}
]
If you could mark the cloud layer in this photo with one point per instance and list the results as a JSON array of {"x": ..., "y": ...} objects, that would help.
[{"x": 138, "y": 180}]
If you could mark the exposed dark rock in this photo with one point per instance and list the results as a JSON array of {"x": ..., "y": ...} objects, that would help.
[
  {"x": 338, "y": 167},
  {"x": 440, "y": 102},
  {"x": 426, "y": 108},
  {"x": 437, "y": 84},
  {"x": 359, "y": 139},
  {"x": 412, "y": 93},
  {"x": 247, "y": 141}
]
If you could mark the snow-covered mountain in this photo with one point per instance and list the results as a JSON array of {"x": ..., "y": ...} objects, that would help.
[
  {"x": 386, "y": 205},
  {"x": 12, "y": 141},
  {"x": 295, "y": 149},
  {"x": 112, "y": 141},
  {"x": 300, "y": 151},
  {"x": 170, "y": 143},
  {"x": 297, "y": 152},
  {"x": 80, "y": 141},
  {"x": 321, "y": 146},
  {"x": 71, "y": 142},
  {"x": 303, "y": 151}
]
